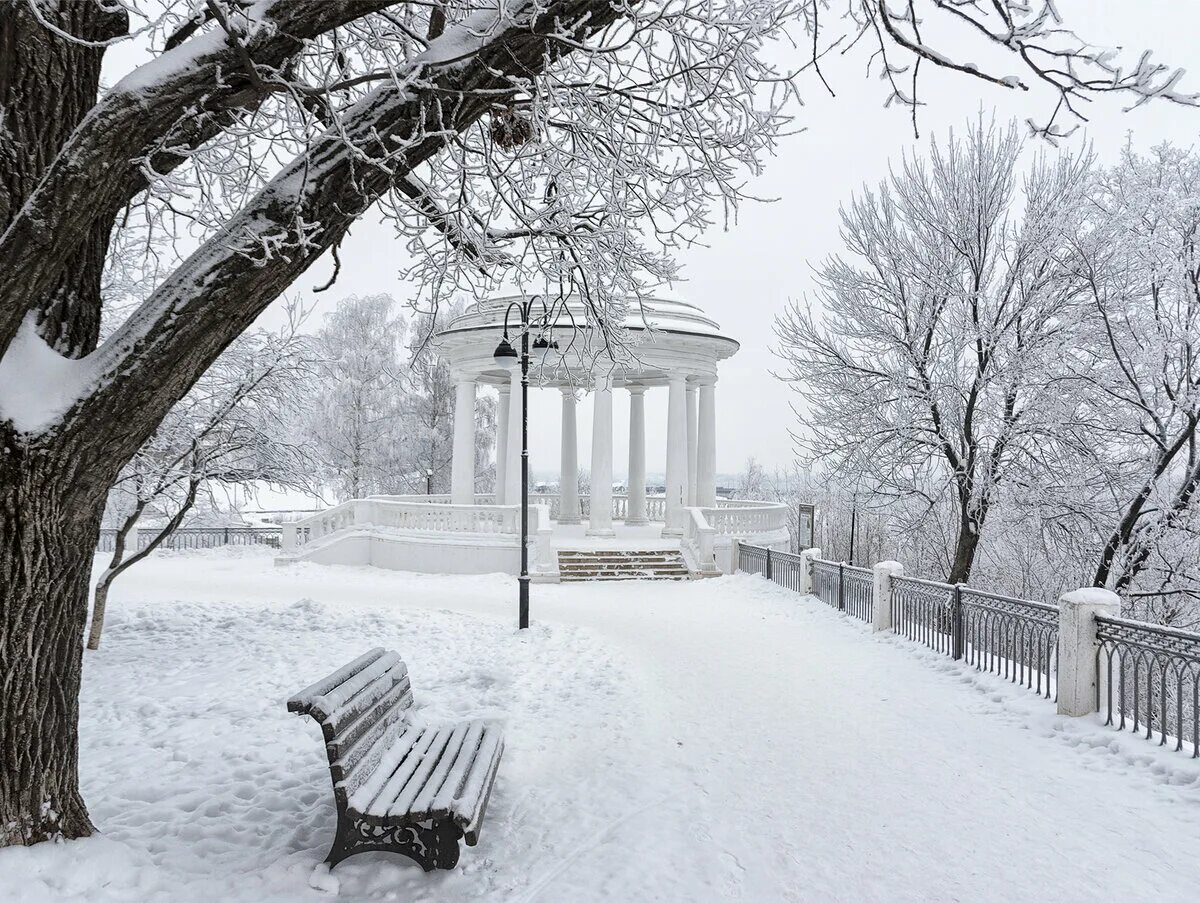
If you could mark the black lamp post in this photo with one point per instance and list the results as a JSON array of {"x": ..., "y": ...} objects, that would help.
[{"x": 506, "y": 356}]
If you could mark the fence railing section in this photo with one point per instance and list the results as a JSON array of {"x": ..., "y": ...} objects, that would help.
[
  {"x": 924, "y": 611},
  {"x": 1014, "y": 638},
  {"x": 783, "y": 568},
  {"x": 1151, "y": 680},
  {"x": 1148, "y": 677},
  {"x": 198, "y": 538}
]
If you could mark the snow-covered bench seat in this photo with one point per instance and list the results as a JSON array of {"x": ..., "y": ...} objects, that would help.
[{"x": 411, "y": 790}]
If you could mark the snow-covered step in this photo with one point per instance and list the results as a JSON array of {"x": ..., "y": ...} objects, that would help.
[{"x": 621, "y": 564}]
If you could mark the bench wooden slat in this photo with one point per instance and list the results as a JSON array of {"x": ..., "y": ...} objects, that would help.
[
  {"x": 391, "y": 707},
  {"x": 421, "y": 799},
  {"x": 326, "y": 706},
  {"x": 303, "y": 700},
  {"x": 352, "y": 709},
  {"x": 401, "y": 804},
  {"x": 367, "y": 755},
  {"x": 396, "y": 776},
  {"x": 441, "y": 804},
  {"x": 368, "y": 750},
  {"x": 479, "y": 784},
  {"x": 369, "y": 788}
]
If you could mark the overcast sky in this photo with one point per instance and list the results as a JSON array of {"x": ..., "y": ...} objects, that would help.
[{"x": 745, "y": 275}]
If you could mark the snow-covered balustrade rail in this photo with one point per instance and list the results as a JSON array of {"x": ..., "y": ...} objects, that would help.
[
  {"x": 445, "y": 518},
  {"x": 747, "y": 518},
  {"x": 698, "y": 541},
  {"x": 398, "y": 515},
  {"x": 437, "y": 498},
  {"x": 1150, "y": 680},
  {"x": 656, "y": 506}
]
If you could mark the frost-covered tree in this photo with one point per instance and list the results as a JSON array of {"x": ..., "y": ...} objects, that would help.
[
  {"x": 932, "y": 368},
  {"x": 354, "y": 418},
  {"x": 1139, "y": 262},
  {"x": 568, "y": 145},
  {"x": 231, "y": 430},
  {"x": 381, "y": 415}
]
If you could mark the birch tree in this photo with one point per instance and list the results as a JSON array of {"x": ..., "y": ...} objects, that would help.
[{"x": 569, "y": 145}]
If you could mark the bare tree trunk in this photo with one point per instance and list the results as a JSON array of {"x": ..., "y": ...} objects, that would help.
[
  {"x": 120, "y": 563},
  {"x": 48, "y": 532}
]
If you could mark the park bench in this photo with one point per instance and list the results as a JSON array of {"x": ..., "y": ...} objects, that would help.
[{"x": 411, "y": 790}]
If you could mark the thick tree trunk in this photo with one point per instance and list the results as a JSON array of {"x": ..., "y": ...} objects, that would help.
[
  {"x": 47, "y": 86},
  {"x": 49, "y": 525},
  {"x": 965, "y": 547}
]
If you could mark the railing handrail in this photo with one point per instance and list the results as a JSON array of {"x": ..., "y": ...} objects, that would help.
[
  {"x": 1146, "y": 627},
  {"x": 996, "y": 597}
]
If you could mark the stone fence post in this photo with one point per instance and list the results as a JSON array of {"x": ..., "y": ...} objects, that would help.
[
  {"x": 1079, "y": 674},
  {"x": 287, "y": 537},
  {"x": 806, "y": 567},
  {"x": 881, "y": 602}
]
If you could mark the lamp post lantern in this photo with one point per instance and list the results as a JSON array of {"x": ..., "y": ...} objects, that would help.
[{"x": 506, "y": 356}]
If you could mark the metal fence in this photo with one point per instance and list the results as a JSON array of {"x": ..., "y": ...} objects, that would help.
[
  {"x": 752, "y": 559},
  {"x": 200, "y": 538},
  {"x": 781, "y": 567},
  {"x": 1151, "y": 680},
  {"x": 844, "y": 587},
  {"x": 924, "y": 611},
  {"x": 1014, "y": 638},
  {"x": 1149, "y": 676}
]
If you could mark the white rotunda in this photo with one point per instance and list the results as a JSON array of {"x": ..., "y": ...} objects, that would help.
[{"x": 661, "y": 343}]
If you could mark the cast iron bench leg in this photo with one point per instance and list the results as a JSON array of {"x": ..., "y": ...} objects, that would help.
[{"x": 431, "y": 845}]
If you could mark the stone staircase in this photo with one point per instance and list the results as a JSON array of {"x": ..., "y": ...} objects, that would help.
[{"x": 621, "y": 564}]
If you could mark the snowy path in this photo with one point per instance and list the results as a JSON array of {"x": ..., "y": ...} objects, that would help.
[{"x": 696, "y": 741}]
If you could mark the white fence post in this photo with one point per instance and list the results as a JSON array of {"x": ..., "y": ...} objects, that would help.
[
  {"x": 806, "y": 567},
  {"x": 735, "y": 554},
  {"x": 881, "y": 603},
  {"x": 1078, "y": 668},
  {"x": 287, "y": 537}
]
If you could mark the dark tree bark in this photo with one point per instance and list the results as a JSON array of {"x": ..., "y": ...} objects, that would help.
[
  {"x": 47, "y": 85},
  {"x": 48, "y": 511},
  {"x": 49, "y": 523}
]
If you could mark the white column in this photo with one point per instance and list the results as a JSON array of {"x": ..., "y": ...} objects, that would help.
[
  {"x": 691, "y": 443},
  {"x": 881, "y": 601},
  {"x": 677, "y": 456},
  {"x": 462, "y": 459},
  {"x": 600, "y": 516},
  {"x": 635, "y": 512},
  {"x": 502, "y": 444},
  {"x": 568, "y": 471},
  {"x": 706, "y": 451},
  {"x": 1080, "y": 672},
  {"x": 512, "y": 476}
]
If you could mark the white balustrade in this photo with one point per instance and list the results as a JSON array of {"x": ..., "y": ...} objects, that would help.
[
  {"x": 391, "y": 514},
  {"x": 435, "y": 513},
  {"x": 698, "y": 538},
  {"x": 747, "y": 519}
]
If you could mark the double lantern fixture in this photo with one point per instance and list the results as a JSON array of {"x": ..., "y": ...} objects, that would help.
[{"x": 506, "y": 356}]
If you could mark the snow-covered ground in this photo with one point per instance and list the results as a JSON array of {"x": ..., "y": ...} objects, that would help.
[{"x": 665, "y": 741}]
